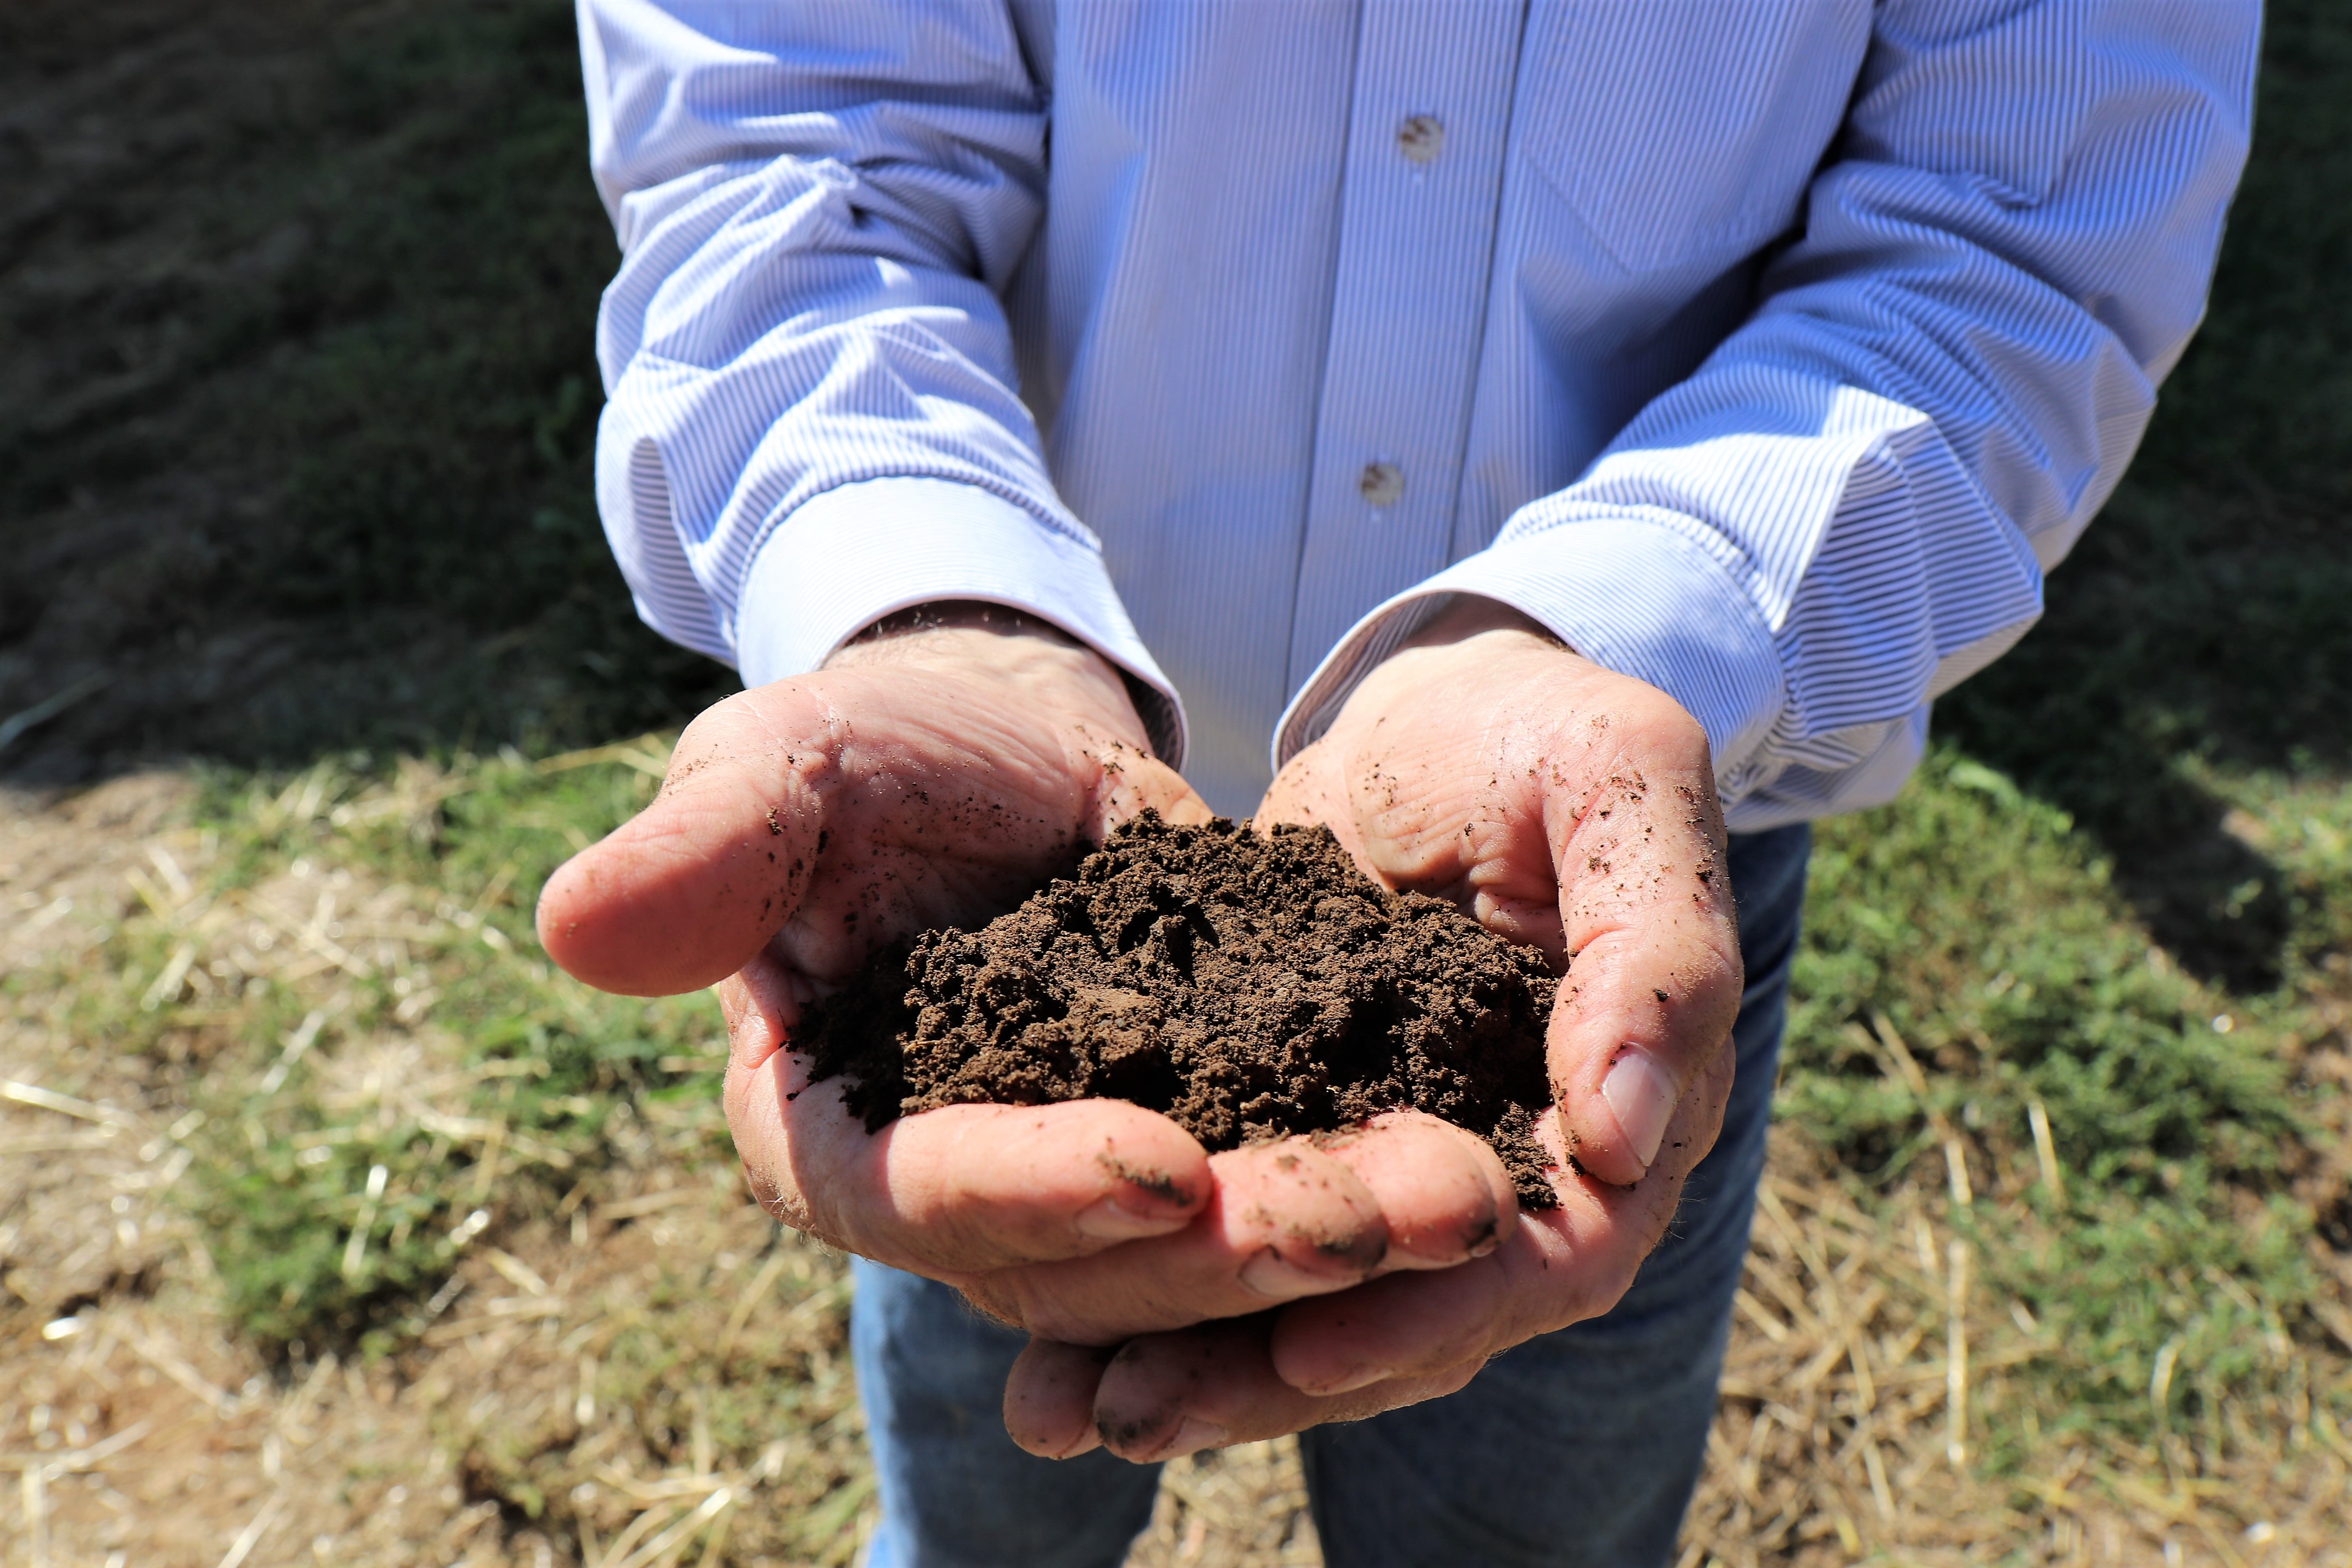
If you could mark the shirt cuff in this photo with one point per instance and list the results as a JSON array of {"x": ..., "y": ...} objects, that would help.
[
  {"x": 1635, "y": 595},
  {"x": 846, "y": 558}
]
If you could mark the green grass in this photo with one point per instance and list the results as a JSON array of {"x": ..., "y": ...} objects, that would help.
[
  {"x": 1981, "y": 927},
  {"x": 498, "y": 1100},
  {"x": 2140, "y": 832},
  {"x": 285, "y": 1156},
  {"x": 1973, "y": 924}
]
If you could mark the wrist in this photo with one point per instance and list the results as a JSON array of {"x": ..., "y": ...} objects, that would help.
[
  {"x": 1474, "y": 615},
  {"x": 1473, "y": 638},
  {"x": 1480, "y": 649},
  {"x": 939, "y": 630},
  {"x": 996, "y": 643}
]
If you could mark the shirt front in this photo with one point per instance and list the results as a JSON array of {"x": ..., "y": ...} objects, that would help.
[{"x": 1766, "y": 349}]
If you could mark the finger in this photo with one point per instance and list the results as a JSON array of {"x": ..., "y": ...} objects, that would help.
[
  {"x": 1049, "y": 1398},
  {"x": 1308, "y": 791},
  {"x": 1442, "y": 1190},
  {"x": 1288, "y": 1222},
  {"x": 1179, "y": 1393},
  {"x": 964, "y": 1188},
  {"x": 1558, "y": 1267},
  {"x": 988, "y": 1187},
  {"x": 1399, "y": 1325},
  {"x": 1394, "y": 1340},
  {"x": 1643, "y": 1022},
  {"x": 1285, "y": 1220},
  {"x": 761, "y": 1003}
]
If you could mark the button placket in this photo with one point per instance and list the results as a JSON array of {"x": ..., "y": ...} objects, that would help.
[{"x": 1417, "y": 226}]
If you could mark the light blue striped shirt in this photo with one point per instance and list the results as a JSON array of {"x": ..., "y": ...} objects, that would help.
[{"x": 1768, "y": 350}]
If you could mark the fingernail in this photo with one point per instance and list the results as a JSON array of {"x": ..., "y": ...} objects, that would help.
[
  {"x": 1109, "y": 1220},
  {"x": 1271, "y": 1274},
  {"x": 1196, "y": 1435},
  {"x": 1362, "y": 1377},
  {"x": 1638, "y": 1089}
]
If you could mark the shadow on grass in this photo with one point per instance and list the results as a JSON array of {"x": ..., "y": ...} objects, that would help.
[
  {"x": 294, "y": 456},
  {"x": 297, "y": 300},
  {"x": 2205, "y": 624}
]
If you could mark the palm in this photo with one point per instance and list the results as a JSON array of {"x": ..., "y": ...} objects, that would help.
[
  {"x": 944, "y": 804},
  {"x": 805, "y": 823},
  {"x": 1396, "y": 794},
  {"x": 1564, "y": 806}
]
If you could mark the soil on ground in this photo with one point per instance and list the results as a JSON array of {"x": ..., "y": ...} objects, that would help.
[{"x": 1247, "y": 987}]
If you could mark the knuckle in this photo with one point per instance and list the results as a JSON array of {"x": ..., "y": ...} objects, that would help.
[
  {"x": 1620, "y": 1282},
  {"x": 1713, "y": 992},
  {"x": 1453, "y": 1379},
  {"x": 1667, "y": 724},
  {"x": 1460, "y": 1342}
]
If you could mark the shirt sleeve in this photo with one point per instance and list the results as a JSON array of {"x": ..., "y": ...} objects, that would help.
[
  {"x": 1849, "y": 506},
  {"x": 813, "y": 417}
]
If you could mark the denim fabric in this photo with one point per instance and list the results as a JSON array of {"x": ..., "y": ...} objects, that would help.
[
  {"x": 1578, "y": 1448},
  {"x": 956, "y": 1493}
]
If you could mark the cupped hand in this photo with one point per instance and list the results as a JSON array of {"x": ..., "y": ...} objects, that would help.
[
  {"x": 933, "y": 778},
  {"x": 1563, "y": 805}
]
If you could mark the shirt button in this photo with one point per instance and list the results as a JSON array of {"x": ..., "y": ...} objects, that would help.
[
  {"x": 1381, "y": 483},
  {"x": 1420, "y": 137}
]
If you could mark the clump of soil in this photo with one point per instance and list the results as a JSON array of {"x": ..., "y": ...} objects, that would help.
[{"x": 1246, "y": 987}]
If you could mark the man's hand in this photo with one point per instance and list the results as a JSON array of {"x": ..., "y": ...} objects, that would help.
[
  {"x": 932, "y": 778},
  {"x": 1566, "y": 806},
  {"x": 924, "y": 777}
]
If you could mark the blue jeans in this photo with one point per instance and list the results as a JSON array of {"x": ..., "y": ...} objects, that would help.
[{"x": 1579, "y": 1448}]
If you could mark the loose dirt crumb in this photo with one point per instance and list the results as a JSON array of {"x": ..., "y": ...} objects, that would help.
[{"x": 1247, "y": 987}]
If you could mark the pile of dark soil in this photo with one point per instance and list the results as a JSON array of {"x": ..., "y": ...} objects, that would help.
[{"x": 1246, "y": 987}]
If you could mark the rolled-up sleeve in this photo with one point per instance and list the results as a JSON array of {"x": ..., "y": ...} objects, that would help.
[
  {"x": 1849, "y": 506},
  {"x": 813, "y": 416}
]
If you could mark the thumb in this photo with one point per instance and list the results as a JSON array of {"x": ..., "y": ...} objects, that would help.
[
  {"x": 1640, "y": 1040},
  {"x": 686, "y": 893},
  {"x": 1128, "y": 782}
]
